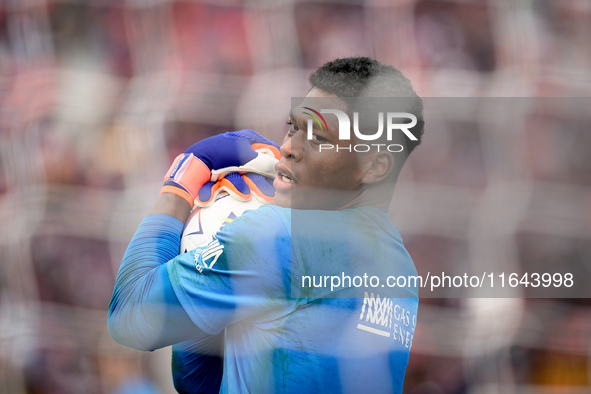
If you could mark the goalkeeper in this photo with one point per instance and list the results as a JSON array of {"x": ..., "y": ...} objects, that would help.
[{"x": 329, "y": 216}]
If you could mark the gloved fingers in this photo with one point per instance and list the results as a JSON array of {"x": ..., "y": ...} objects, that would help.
[
  {"x": 259, "y": 143},
  {"x": 233, "y": 149},
  {"x": 252, "y": 136},
  {"x": 209, "y": 160},
  {"x": 206, "y": 194},
  {"x": 223, "y": 150},
  {"x": 233, "y": 184},
  {"x": 267, "y": 149},
  {"x": 240, "y": 187},
  {"x": 261, "y": 164},
  {"x": 261, "y": 187}
]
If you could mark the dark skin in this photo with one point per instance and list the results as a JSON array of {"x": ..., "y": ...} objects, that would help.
[
  {"x": 171, "y": 205},
  {"x": 345, "y": 181},
  {"x": 309, "y": 178}
]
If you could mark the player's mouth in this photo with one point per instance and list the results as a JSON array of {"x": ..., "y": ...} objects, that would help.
[{"x": 284, "y": 179}]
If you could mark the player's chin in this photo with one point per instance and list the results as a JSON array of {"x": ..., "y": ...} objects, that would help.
[{"x": 282, "y": 199}]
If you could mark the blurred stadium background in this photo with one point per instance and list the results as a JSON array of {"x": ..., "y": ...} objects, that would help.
[{"x": 98, "y": 96}]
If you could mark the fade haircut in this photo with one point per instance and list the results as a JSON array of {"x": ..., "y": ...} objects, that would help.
[{"x": 358, "y": 77}]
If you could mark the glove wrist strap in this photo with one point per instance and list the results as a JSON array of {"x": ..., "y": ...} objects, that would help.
[{"x": 186, "y": 176}]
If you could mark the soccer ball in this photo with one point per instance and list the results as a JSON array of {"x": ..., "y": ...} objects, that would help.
[{"x": 204, "y": 223}]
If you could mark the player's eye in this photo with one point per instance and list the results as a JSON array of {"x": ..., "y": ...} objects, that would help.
[
  {"x": 293, "y": 128},
  {"x": 318, "y": 138},
  {"x": 293, "y": 125}
]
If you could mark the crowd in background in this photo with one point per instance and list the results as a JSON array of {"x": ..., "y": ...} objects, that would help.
[{"x": 98, "y": 97}]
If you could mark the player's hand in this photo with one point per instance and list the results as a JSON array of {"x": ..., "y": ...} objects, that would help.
[
  {"x": 241, "y": 187},
  {"x": 212, "y": 158}
]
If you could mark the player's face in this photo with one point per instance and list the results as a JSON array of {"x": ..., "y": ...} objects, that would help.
[{"x": 311, "y": 177}]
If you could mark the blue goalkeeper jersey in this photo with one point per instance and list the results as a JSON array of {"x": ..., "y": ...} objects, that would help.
[{"x": 304, "y": 299}]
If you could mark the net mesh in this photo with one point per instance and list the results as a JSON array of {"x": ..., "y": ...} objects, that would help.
[{"x": 98, "y": 97}]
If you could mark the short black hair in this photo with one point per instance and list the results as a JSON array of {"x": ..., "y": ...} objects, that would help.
[
  {"x": 366, "y": 77},
  {"x": 353, "y": 77}
]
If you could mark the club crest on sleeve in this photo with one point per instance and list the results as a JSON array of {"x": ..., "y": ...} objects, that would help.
[{"x": 206, "y": 257}]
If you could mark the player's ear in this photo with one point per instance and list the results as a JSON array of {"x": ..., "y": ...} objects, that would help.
[{"x": 379, "y": 167}]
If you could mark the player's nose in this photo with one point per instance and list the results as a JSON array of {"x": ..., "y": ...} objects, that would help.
[{"x": 292, "y": 147}]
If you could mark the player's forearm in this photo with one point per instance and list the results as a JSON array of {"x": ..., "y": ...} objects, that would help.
[
  {"x": 144, "y": 312},
  {"x": 172, "y": 205}
]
